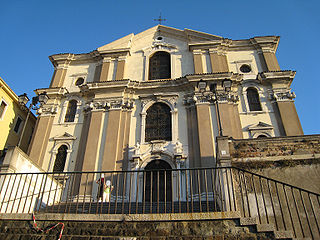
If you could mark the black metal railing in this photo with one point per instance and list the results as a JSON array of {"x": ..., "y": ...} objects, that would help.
[{"x": 223, "y": 189}]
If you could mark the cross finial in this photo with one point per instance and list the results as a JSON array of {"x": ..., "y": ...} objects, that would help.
[{"x": 160, "y": 19}]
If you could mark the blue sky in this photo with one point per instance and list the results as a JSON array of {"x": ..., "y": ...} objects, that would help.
[{"x": 32, "y": 30}]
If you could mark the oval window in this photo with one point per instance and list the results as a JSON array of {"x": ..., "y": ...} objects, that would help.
[
  {"x": 79, "y": 81},
  {"x": 245, "y": 68}
]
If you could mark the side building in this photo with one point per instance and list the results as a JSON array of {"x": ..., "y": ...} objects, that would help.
[{"x": 12, "y": 120}]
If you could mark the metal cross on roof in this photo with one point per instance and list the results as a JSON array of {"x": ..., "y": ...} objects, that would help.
[{"x": 160, "y": 19}]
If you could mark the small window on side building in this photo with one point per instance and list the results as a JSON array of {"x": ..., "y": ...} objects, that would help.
[
  {"x": 18, "y": 125},
  {"x": 3, "y": 107}
]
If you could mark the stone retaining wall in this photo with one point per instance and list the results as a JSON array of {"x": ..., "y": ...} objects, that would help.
[{"x": 216, "y": 229}]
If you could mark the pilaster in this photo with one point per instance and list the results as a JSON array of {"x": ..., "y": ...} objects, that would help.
[
  {"x": 120, "y": 67},
  {"x": 197, "y": 60},
  {"x": 93, "y": 139},
  {"x": 61, "y": 64},
  {"x": 287, "y": 111},
  {"x": 229, "y": 114},
  {"x": 105, "y": 69},
  {"x": 219, "y": 62},
  {"x": 206, "y": 140},
  {"x": 42, "y": 132},
  {"x": 58, "y": 77},
  {"x": 116, "y": 135}
]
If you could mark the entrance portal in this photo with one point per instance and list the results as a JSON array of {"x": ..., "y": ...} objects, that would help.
[{"x": 158, "y": 185}]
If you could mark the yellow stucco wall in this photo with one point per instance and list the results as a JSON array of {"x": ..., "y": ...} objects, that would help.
[{"x": 8, "y": 137}]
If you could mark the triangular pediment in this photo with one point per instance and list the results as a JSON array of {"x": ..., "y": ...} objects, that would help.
[
  {"x": 260, "y": 125},
  {"x": 65, "y": 136},
  {"x": 121, "y": 43},
  {"x": 186, "y": 35}
]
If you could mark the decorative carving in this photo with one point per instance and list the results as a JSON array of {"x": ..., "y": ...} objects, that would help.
[
  {"x": 171, "y": 100},
  {"x": 47, "y": 110},
  {"x": 209, "y": 97},
  {"x": 178, "y": 147},
  {"x": 156, "y": 45},
  {"x": 157, "y": 146},
  {"x": 108, "y": 104},
  {"x": 282, "y": 95}
]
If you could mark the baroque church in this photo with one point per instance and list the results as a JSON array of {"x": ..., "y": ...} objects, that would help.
[
  {"x": 167, "y": 125},
  {"x": 158, "y": 99}
]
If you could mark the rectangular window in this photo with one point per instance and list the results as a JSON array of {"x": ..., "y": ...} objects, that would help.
[
  {"x": 3, "y": 107},
  {"x": 18, "y": 124}
]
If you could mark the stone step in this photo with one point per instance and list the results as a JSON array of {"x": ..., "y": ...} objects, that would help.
[{"x": 133, "y": 207}]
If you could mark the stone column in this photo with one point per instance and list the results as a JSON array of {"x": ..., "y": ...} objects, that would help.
[
  {"x": 40, "y": 139},
  {"x": 197, "y": 60},
  {"x": 288, "y": 113},
  {"x": 219, "y": 62}
]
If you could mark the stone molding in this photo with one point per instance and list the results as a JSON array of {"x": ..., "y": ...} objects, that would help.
[
  {"x": 108, "y": 104},
  {"x": 170, "y": 99},
  {"x": 282, "y": 95},
  {"x": 48, "y": 110},
  {"x": 209, "y": 97}
]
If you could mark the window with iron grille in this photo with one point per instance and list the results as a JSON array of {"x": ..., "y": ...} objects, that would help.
[
  {"x": 158, "y": 123},
  {"x": 160, "y": 66},
  {"x": 253, "y": 99},
  {"x": 60, "y": 159},
  {"x": 71, "y": 111}
]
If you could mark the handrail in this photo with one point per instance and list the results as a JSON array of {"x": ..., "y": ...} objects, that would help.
[{"x": 195, "y": 190}]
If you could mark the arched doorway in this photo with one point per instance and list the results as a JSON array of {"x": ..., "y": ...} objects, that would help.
[{"x": 158, "y": 181}]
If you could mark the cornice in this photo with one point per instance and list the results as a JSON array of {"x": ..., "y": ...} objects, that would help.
[
  {"x": 63, "y": 60},
  {"x": 285, "y": 76},
  {"x": 52, "y": 91},
  {"x": 262, "y": 44},
  {"x": 215, "y": 76},
  {"x": 266, "y": 43}
]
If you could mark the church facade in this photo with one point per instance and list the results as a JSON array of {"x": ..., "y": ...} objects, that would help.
[{"x": 159, "y": 99}]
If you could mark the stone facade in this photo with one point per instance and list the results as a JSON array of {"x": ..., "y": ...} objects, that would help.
[{"x": 207, "y": 94}]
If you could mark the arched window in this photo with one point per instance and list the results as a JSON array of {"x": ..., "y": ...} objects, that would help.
[
  {"x": 160, "y": 66},
  {"x": 253, "y": 99},
  {"x": 158, "y": 123},
  {"x": 71, "y": 111},
  {"x": 60, "y": 159}
]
